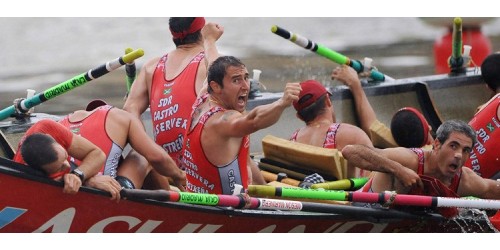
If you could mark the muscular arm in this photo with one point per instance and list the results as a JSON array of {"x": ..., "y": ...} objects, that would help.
[
  {"x": 398, "y": 162},
  {"x": 156, "y": 156},
  {"x": 366, "y": 114},
  {"x": 254, "y": 173},
  {"x": 349, "y": 135},
  {"x": 472, "y": 184},
  {"x": 234, "y": 124},
  {"x": 92, "y": 158},
  {"x": 138, "y": 100},
  {"x": 211, "y": 32}
]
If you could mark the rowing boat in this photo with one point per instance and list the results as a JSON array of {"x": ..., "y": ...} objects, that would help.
[
  {"x": 33, "y": 203},
  {"x": 30, "y": 202}
]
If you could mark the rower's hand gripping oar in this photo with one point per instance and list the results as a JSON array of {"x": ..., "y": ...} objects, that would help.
[
  {"x": 328, "y": 53},
  {"x": 61, "y": 88}
]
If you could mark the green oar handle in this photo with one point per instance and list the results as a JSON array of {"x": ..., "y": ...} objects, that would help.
[
  {"x": 325, "y": 52},
  {"x": 270, "y": 191},
  {"x": 130, "y": 71},
  {"x": 70, "y": 84},
  {"x": 457, "y": 38},
  {"x": 345, "y": 184},
  {"x": 456, "y": 60}
]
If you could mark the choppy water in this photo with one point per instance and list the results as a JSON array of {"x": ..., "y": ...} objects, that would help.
[
  {"x": 32, "y": 46},
  {"x": 38, "y": 52}
]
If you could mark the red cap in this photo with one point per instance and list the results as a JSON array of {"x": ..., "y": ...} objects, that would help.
[
  {"x": 425, "y": 124},
  {"x": 95, "y": 104},
  {"x": 311, "y": 91}
]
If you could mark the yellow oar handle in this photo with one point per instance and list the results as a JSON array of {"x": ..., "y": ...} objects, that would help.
[
  {"x": 130, "y": 57},
  {"x": 128, "y": 50}
]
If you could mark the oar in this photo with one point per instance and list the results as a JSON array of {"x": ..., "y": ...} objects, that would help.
[
  {"x": 70, "y": 84},
  {"x": 345, "y": 184},
  {"x": 326, "y": 52},
  {"x": 130, "y": 71},
  {"x": 366, "y": 214},
  {"x": 236, "y": 201},
  {"x": 382, "y": 198},
  {"x": 456, "y": 61}
]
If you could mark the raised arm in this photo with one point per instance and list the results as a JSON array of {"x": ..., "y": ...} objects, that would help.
[
  {"x": 211, "y": 32},
  {"x": 235, "y": 124},
  {"x": 349, "y": 77}
]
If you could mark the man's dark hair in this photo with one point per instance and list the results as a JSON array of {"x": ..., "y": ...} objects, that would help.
[
  {"x": 444, "y": 131},
  {"x": 408, "y": 130},
  {"x": 490, "y": 71},
  {"x": 312, "y": 111},
  {"x": 38, "y": 150},
  {"x": 180, "y": 24},
  {"x": 217, "y": 69}
]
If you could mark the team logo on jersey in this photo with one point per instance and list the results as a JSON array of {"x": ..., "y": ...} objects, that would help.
[
  {"x": 167, "y": 91},
  {"x": 75, "y": 130}
]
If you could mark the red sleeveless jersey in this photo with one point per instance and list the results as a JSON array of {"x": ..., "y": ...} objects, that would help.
[
  {"x": 329, "y": 142},
  {"x": 171, "y": 102},
  {"x": 60, "y": 134},
  {"x": 204, "y": 177},
  {"x": 93, "y": 128},
  {"x": 485, "y": 157},
  {"x": 429, "y": 188}
]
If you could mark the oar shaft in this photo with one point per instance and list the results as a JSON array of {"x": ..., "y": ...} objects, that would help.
[
  {"x": 72, "y": 83},
  {"x": 457, "y": 38},
  {"x": 324, "y": 51},
  {"x": 235, "y": 201},
  {"x": 381, "y": 198},
  {"x": 267, "y": 204}
]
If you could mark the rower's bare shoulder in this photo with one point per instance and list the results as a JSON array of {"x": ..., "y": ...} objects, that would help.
[
  {"x": 404, "y": 156},
  {"x": 150, "y": 65}
]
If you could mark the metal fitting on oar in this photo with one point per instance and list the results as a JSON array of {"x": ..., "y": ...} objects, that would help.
[{"x": 281, "y": 176}]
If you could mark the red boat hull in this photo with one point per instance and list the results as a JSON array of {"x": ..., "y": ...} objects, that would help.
[{"x": 35, "y": 204}]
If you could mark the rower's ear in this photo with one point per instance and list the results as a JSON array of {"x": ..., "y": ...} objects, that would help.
[{"x": 214, "y": 86}]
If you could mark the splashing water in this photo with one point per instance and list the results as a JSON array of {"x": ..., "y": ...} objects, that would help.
[{"x": 470, "y": 221}]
